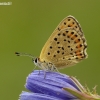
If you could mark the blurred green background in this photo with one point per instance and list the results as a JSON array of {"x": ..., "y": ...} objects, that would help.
[{"x": 26, "y": 25}]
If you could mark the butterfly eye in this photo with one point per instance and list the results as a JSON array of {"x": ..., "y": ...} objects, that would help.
[{"x": 34, "y": 60}]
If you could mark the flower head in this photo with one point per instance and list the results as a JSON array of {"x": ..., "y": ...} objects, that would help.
[{"x": 55, "y": 86}]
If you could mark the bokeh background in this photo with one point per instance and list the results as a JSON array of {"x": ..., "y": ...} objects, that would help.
[{"x": 26, "y": 25}]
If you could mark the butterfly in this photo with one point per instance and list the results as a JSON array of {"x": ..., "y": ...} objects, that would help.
[{"x": 65, "y": 47}]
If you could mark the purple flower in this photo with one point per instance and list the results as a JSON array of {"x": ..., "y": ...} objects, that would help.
[
  {"x": 55, "y": 86},
  {"x": 48, "y": 88}
]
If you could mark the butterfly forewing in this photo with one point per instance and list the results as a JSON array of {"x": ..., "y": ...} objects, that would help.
[
  {"x": 66, "y": 46},
  {"x": 67, "y": 22}
]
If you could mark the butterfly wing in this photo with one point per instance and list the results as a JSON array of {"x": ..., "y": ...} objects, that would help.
[
  {"x": 66, "y": 46},
  {"x": 68, "y": 22}
]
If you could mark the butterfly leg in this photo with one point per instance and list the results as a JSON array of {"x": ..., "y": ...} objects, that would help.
[
  {"x": 44, "y": 74},
  {"x": 35, "y": 67},
  {"x": 39, "y": 72},
  {"x": 56, "y": 69}
]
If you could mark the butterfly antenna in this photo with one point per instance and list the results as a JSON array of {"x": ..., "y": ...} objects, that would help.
[{"x": 24, "y": 54}]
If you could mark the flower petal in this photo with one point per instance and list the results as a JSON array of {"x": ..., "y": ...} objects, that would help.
[
  {"x": 51, "y": 85},
  {"x": 36, "y": 96}
]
